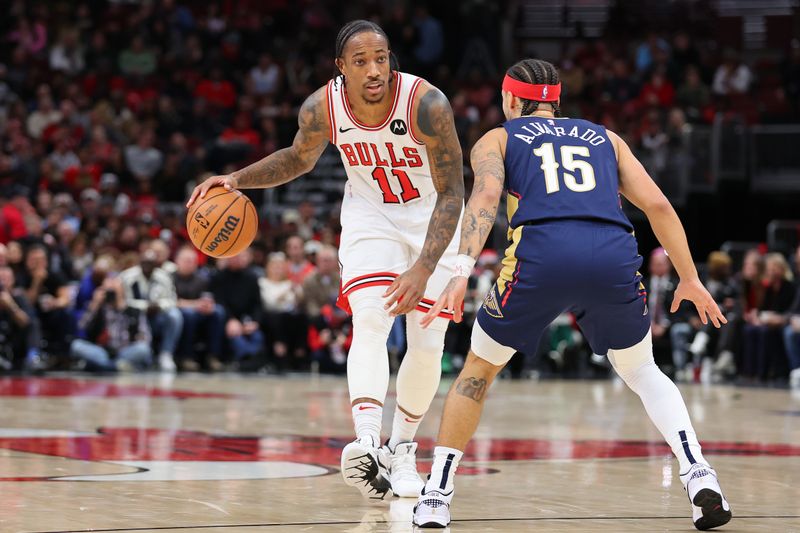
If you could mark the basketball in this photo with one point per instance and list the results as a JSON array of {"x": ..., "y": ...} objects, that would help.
[{"x": 223, "y": 223}]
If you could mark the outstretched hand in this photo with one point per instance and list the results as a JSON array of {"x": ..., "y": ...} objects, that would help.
[
  {"x": 452, "y": 299},
  {"x": 695, "y": 292}
]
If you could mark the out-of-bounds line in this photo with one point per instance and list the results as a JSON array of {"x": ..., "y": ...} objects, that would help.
[{"x": 351, "y": 522}]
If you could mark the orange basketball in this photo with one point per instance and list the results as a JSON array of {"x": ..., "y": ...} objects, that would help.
[{"x": 223, "y": 223}]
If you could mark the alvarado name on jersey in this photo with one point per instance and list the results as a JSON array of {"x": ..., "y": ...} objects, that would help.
[{"x": 537, "y": 129}]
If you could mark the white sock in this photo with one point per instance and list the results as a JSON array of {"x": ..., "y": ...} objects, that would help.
[
  {"x": 661, "y": 398},
  {"x": 404, "y": 428},
  {"x": 443, "y": 470},
  {"x": 367, "y": 419}
]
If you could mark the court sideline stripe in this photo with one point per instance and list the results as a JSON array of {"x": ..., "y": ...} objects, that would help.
[{"x": 342, "y": 522}]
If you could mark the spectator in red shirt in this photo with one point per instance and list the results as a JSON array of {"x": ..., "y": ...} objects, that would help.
[
  {"x": 241, "y": 132},
  {"x": 658, "y": 90},
  {"x": 12, "y": 224},
  {"x": 217, "y": 91}
]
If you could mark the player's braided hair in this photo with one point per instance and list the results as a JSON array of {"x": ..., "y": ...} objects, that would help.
[
  {"x": 354, "y": 27},
  {"x": 538, "y": 72}
]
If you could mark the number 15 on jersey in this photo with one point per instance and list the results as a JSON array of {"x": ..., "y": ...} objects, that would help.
[{"x": 580, "y": 177}]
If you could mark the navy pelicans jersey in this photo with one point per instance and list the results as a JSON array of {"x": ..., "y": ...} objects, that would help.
[
  {"x": 571, "y": 247},
  {"x": 561, "y": 168},
  {"x": 385, "y": 163}
]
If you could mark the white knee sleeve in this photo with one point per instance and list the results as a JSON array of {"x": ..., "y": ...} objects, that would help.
[
  {"x": 421, "y": 369},
  {"x": 368, "y": 360},
  {"x": 489, "y": 349},
  {"x": 628, "y": 360}
]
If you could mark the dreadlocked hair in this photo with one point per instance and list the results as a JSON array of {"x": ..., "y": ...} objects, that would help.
[
  {"x": 537, "y": 72},
  {"x": 353, "y": 28}
]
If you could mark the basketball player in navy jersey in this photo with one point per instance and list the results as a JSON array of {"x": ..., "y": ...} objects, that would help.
[
  {"x": 401, "y": 209},
  {"x": 571, "y": 248}
]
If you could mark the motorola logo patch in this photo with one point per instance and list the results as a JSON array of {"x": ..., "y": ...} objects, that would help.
[{"x": 398, "y": 127}]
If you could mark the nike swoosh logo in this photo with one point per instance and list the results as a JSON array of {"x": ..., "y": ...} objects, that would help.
[
  {"x": 412, "y": 421},
  {"x": 344, "y": 130},
  {"x": 363, "y": 407}
]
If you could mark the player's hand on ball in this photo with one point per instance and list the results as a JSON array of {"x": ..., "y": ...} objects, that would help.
[
  {"x": 694, "y": 291},
  {"x": 228, "y": 181},
  {"x": 406, "y": 290},
  {"x": 452, "y": 299}
]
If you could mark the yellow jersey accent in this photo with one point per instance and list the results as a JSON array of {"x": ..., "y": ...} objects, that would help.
[
  {"x": 510, "y": 260},
  {"x": 512, "y": 204}
]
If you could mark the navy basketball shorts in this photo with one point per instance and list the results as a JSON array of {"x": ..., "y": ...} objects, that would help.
[{"x": 588, "y": 268}]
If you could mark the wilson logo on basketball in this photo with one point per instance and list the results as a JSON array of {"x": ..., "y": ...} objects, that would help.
[{"x": 224, "y": 234}]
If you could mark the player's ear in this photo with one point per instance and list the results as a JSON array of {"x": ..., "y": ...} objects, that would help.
[{"x": 339, "y": 64}]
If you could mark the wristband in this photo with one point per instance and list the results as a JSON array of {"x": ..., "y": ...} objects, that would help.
[{"x": 464, "y": 265}]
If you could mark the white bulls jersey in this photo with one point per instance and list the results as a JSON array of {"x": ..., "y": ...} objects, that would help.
[
  {"x": 385, "y": 163},
  {"x": 388, "y": 199}
]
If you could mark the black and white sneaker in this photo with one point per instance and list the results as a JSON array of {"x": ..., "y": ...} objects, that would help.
[
  {"x": 433, "y": 509},
  {"x": 362, "y": 469},
  {"x": 709, "y": 507}
]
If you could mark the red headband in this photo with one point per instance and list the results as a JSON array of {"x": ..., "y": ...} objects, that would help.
[{"x": 530, "y": 91}]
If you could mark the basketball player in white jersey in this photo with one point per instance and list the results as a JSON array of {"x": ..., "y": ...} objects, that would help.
[{"x": 402, "y": 207}]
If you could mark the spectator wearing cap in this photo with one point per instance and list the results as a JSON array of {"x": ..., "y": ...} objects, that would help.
[
  {"x": 203, "y": 318},
  {"x": 236, "y": 289},
  {"x": 49, "y": 292},
  {"x": 299, "y": 267},
  {"x": 150, "y": 289}
]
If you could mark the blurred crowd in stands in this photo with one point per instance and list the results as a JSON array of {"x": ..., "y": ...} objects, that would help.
[{"x": 111, "y": 111}]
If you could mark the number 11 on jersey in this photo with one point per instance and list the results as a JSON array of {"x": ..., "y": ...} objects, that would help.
[{"x": 407, "y": 190}]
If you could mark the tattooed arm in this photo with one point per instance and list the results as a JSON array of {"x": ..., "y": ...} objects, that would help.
[
  {"x": 435, "y": 127},
  {"x": 487, "y": 162},
  {"x": 490, "y": 174},
  {"x": 284, "y": 165}
]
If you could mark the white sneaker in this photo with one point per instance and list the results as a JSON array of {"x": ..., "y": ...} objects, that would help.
[
  {"x": 794, "y": 378},
  {"x": 709, "y": 507},
  {"x": 725, "y": 363},
  {"x": 432, "y": 509},
  {"x": 166, "y": 363},
  {"x": 403, "y": 475},
  {"x": 362, "y": 469}
]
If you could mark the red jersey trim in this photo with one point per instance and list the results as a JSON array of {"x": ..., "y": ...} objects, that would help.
[
  {"x": 331, "y": 119},
  {"x": 410, "y": 116},
  {"x": 378, "y": 279},
  {"x": 383, "y": 124}
]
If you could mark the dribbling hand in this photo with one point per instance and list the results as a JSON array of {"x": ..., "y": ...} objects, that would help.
[
  {"x": 228, "y": 181},
  {"x": 406, "y": 290},
  {"x": 452, "y": 299},
  {"x": 695, "y": 292}
]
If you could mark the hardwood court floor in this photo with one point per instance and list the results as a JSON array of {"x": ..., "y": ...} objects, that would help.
[{"x": 235, "y": 454}]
